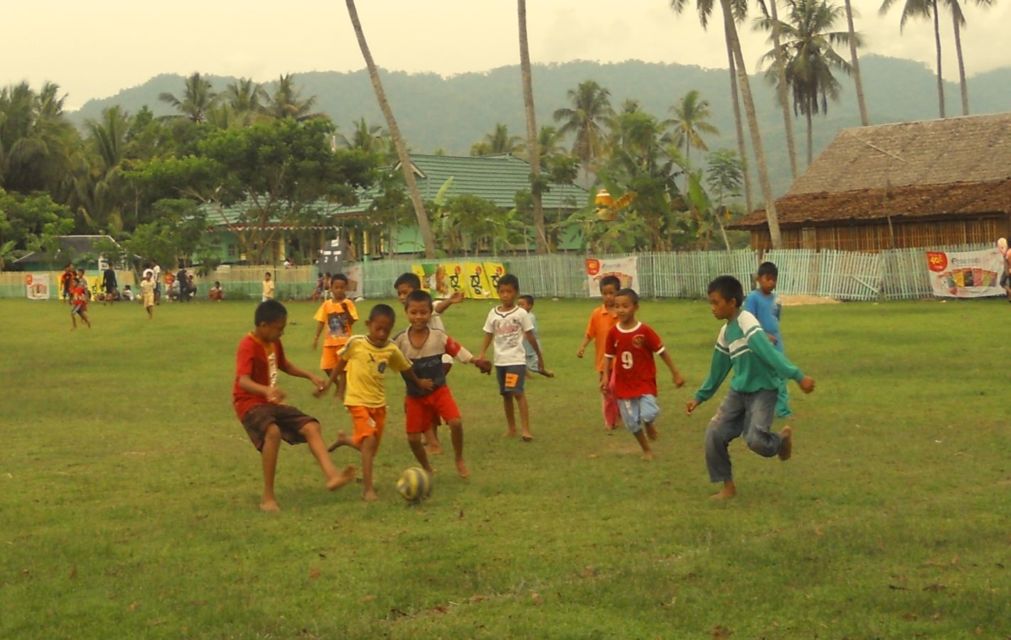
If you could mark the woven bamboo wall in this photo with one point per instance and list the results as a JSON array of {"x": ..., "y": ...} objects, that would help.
[{"x": 880, "y": 237}]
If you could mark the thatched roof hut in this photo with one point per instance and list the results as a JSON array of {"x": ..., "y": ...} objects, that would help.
[{"x": 913, "y": 184}]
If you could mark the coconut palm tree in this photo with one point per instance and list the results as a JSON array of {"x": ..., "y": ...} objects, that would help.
[
  {"x": 958, "y": 21},
  {"x": 406, "y": 167},
  {"x": 370, "y": 138},
  {"x": 690, "y": 121},
  {"x": 245, "y": 98},
  {"x": 923, "y": 9},
  {"x": 534, "y": 155},
  {"x": 37, "y": 144},
  {"x": 769, "y": 9},
  {"x": 591, "y": 107},
  {"x": 807, "y": 56},
  {"x": 286, "y": 101},
  {"x": 197, "y": 100},
  {"x": 855, "y": 65},
  {"x": 497, "y": 142}
]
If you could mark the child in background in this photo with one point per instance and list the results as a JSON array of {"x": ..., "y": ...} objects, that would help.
[
  {"x": 425, "y": 348},
  {"x": 317, "y": 293},
  {"x": 337, "y": 315},
  {"x": 367, "y": 359},
  {"x": 259, "y": 402},
  {"x": 79, "y": 301},
  {"x": 602, "y": 320},
  {"x": 526, "y": 302},
  {"x": 127, "y": 293},
  {"x": 268, "y": 287},
  {"x": 750, "y": 404},
  {"x": 147, "y": 293},
  {"x": 216, "y": 293},
  {"x": 764, "y": 304},
  {"x": 508, "y": 324},
  {"x": 629, "y": 352}
]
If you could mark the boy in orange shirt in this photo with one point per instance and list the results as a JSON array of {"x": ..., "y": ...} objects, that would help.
[
  {"x": 602, "y": 320},
  {"x": 336, "y": 314},
  {"x": 259, "y": 403}
]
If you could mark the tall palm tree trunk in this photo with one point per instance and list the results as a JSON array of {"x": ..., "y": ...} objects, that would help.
[
  {"x": 742, "y": 150},
  {"x": 532, "y": 149},
  {"x": 937, "y": 47},
  {"x": 961, "y": 63},
  {"x": 855, "y": 63},
  {"x": 756, "y": 135},
  {"x": 810, "y": 139},
  {"x": 391, "y": 124},
  {"x": 781, "y": 88}
]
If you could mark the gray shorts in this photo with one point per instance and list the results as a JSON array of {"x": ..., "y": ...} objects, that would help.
[{"x": 638, "y": 412}]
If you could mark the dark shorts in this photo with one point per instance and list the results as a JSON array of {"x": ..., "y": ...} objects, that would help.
[
  {"x": 1005, "y": 279},
  {"x": 510, "y": 378},
  {"x": 287, "y": 418}
]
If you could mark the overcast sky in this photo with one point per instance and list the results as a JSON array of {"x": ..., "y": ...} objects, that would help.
[{"x": 94, "y": 48}]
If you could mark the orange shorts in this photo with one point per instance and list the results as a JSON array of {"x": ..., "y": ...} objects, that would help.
[
  {"x": 423, "y": 412},
  {"x": 368, "y": 421},
  {"x": 329, "y": 359}
]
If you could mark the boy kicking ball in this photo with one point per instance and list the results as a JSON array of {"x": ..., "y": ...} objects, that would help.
[
  {"x": 259, "y": 402},
  {"x": 750, "y": 405}
]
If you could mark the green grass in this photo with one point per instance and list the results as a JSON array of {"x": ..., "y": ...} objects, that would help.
[{"x": 128, "y": 491}]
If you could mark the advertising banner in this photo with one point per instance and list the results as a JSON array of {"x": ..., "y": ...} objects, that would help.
[
  {"x": 37, "y": 286},
  {"x": 626, "y": 269},
  {"x": 474, "y": 279},
  {"x": 965, "y": 274}
]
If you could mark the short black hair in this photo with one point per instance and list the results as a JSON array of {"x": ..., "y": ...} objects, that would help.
[
  {"x": 267, "y": 273},
  {"x": 728, "y": 287},
  {"x": 269, "y": 311},
  {"x": 383, "y": 311},
  {"x": 410, "y": 279},
  {"x": 509, "y": 280},
  {"x": 529, "y": 298},
  {"x": 419, "y": 295},
  {"x": 610, "y": 280},
  {"x": 628, "y": 293},
  {"x": 339, "y": 276},
  {"x": 768, "y": 269}
]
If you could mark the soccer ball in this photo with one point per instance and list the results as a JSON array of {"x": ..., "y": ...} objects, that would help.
[{"x": 414, "y": 485}]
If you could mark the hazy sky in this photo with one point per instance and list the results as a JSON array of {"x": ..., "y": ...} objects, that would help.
[{"x": 94, "y": 48}]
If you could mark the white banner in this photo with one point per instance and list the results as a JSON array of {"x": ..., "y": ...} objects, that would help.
[
  {"x": 626, "y": 269},
  {"x": 355, "y": 284},
  {"x": 37, "y": 286},
  {"x": 965, "y": 274}
]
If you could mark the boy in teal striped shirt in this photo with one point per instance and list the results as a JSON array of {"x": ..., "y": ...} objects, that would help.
[{"x": 750, "y": 406}]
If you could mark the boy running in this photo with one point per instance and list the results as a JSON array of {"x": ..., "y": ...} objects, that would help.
[
  {"x": 336, "y": 314},
  {"x": 629, "y": 352},
  {"x": 79, "y": 302},
  {"x": 602, "y": 320},
  {"x": 749, "y": 406},
  {"x": 259, "y": 402},
  {"x": 425, "y": 347},
  {"x": 764, "y": 304},
  {"x": 508, "y": 324},
  {"x": 147, "y": 292},
  {"x": 367, "y": 359}
]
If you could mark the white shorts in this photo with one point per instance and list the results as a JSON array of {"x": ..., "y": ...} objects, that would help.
[{"x": 636, "y": 412}]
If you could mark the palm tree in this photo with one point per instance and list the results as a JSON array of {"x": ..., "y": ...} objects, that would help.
[
  {"x": 690, "y": 121},
  {"x": 534, "y": 154},
  {"x": 855, "y": 64},
  {"x": 781, "y": 90},
  {"x": 591, "y": 107},
  {"x": 958, "y": 21},
  {"x": 286, "y": 102},
  {"x": 923, "y": 9},
  {"x": 197, "y": 100},
  {"x": 406, "y": 167},
  {"x": 366, "y": 137},
  {"x": 246, "y": 99},
  {"x": 497, "y": 142},
  {"x": 37, "y": 144}
]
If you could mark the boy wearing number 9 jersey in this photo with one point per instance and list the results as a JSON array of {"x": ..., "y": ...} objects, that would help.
[{"x": 629, "y": 352}]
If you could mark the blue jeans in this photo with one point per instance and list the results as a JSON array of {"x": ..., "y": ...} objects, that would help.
[{"x": 741, "y": 414}]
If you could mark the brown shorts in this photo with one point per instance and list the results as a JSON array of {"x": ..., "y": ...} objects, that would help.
[{"x": 287, "y": 418}]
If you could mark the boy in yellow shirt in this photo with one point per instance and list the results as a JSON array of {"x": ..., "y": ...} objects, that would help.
[
  {"x": 367, "y": 359},
  {"x": 337, "y": 315}
]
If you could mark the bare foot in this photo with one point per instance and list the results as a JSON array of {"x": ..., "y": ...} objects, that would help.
[
  {"x": 269, "y": 505},
  {"x": 511, "y": 433},
  {"x": 434, "y": 448},
  {"x": 341, "y": 479},
  {"x": 786, "y": 446},
  {"x": 528, "y": 437},
  {"x": 342, "y": 441},
  {"x": 462, "y": 470},
  {"x": 651, "y": 432},
  {"x": 647, "y": 455},
  {"x": 370, "y": 496},
  {"x": 728, "y": 491}
]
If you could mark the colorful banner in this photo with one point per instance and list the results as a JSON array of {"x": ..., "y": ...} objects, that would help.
[
  {"x": 474, "y": 279},
  {"x": 626, "y": 269},
  {"x": 965, "y": 274},
  {"x": 37, "y": 286}
]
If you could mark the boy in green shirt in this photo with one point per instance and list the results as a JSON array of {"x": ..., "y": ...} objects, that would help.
[{"x": 750, "y": 405}]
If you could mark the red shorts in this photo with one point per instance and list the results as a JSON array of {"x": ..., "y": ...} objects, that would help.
[{"x": 424, "y": 411}]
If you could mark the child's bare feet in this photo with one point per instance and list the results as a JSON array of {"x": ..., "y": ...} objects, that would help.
[
  {"x": 651, "y": 432},
  {"x": 269, "y": 505},
  {"x": 728, "y": 491},
  {"x": 370, "y": 496},
  {"x": 647, "y": 455},
  {"x": 510, "y": 433},
  {"x": 433, "y": 447},
  {"x": 786, "y": 445},
  {"x": 342, "y": 441},
  {"x": 341, "y": 479},
  {"x": 527, "y": 436},
  {"x": 462, "y": 470}
]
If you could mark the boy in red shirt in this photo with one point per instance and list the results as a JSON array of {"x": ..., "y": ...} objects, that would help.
[
  {"x": 629, "y": 353},
  {"x": 602, "y": 320},
  {"x": 79, "y": 300},
  {"x": 259, "y": 402}
]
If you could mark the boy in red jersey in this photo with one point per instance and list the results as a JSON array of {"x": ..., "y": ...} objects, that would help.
[
  {"x": 79, "y": 300},
  {"x": 629, "y": 352},
  {"x": 259, "y": 402}
]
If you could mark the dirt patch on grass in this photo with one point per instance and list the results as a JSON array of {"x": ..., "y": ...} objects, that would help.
[{"x": 796, "y": 301}]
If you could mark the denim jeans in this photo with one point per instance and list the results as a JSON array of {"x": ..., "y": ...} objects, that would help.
[{"x": 741, "y": 414}]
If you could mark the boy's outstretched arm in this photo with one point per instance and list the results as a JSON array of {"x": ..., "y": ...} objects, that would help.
[
  {"x": 779, "y": 363},
  {"x": 334, "y": 376},
  {"x": 532, "y": 339},
  {"x": 441, "y": 305},
  {"x": 678, "y": 380},
  {"x": 319, "y": 330},
  {"x": 582, "y": 347},
  {"x": 484, "y": 346},
  {"x": 292, "y": 370},
  {"x": 719, "y": 367}
]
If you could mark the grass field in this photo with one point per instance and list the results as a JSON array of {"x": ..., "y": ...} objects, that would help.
[{"x": 129, "y": 491}]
